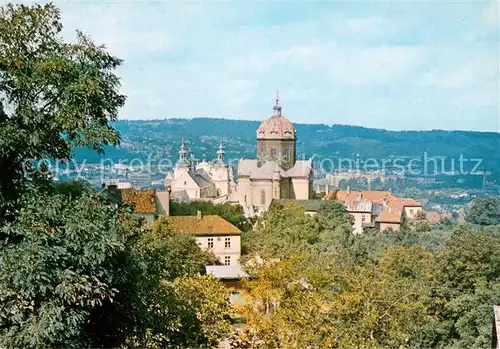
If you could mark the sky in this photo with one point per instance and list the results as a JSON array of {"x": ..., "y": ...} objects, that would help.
[{"x": 397, "y": 65}]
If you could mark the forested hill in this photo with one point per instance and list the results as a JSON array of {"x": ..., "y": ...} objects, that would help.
[{"x": 161, "y": 138}]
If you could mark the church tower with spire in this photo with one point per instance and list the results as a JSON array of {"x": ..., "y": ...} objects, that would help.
[
  {"x": 276, "y": 139},
  {"x": 220, "y": 173}
]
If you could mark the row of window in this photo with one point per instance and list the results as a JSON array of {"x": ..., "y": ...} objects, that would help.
[
  {"x": 227, "y": 242},
  {"x": 274, "y": 154}
]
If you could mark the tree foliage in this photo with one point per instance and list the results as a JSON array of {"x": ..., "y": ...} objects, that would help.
[
  {"x": 424, "y": 286},
  {"x": 61, "y": 270},
  {"x": 55, "y": 95},
  {"x": 484, "y": 211},
  {"x": 283, "y": 230},
  {"x": 77, "y": 269}
]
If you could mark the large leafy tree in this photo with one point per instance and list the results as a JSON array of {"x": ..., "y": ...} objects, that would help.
[
  {"x": 54, "y": 95},
  {"x": 467, "y": 279},
  {"x": 76, "y": 270},
  {"x": 61, "y": 271},
  {"x": 282, "y": 230},
  {"x": 484, "y": 211}
]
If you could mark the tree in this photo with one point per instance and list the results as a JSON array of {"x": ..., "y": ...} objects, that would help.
[
  {"x": 305, "y": 301},
  {"x": 56, "y": 95},
  {"x": 336, "y": 224},
  {"x": 285, "y": 305},
  {"x": 420, "y": 223},
  {"x": 76, "y": 269},
  {"x": 62, "y": 269},
  {"x": 283, "y": 229},
  {"x": 484, "y": 211},
  {"x": 466, "y": 274}
]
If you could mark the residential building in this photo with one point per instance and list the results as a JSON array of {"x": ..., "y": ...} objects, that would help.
[
  {"x": 276, "y": 173},
  {"x": 376, "y": 209},
  {"x": 213, "y": 233}
]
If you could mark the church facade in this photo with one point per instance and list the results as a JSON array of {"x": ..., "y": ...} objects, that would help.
[
  {"x": 190, "y": 180},
  {"x": 275, "y": 173}
]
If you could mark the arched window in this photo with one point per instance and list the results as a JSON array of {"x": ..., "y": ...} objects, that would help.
[
  {"x": 273, "y": 153},
  {"x": 262, "y": 197}
]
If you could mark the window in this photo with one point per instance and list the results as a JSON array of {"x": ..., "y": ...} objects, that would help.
[
  {"x": 363, "y": 218},
  {"x": 411, "y": 211},
  {"x": 287, "y": 155},
  {"x": 227, "y": 260},
  {"x": 262, "y": 197},
  {"x": 210, "y": 242},
  {"x": 227, "y": 242},
  {"x": 273, "y": 153},
  {"x": 185, "y": 183}
]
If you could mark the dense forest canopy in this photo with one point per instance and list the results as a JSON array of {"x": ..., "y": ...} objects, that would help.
[{"x": 203, "y": 135}]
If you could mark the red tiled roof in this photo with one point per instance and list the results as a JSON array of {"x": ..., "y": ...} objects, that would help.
[
  {"x": 436, "y": 217},
  {"x": 360, "y": 195},
  {"x": 389, "y": 217}
]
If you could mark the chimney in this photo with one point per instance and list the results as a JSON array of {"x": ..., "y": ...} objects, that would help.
[{"x": 199, "y": 214}]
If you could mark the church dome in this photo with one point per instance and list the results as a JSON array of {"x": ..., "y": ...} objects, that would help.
[{"x": 277, "y": 126}]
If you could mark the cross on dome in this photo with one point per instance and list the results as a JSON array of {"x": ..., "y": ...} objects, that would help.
[{"x": 277, "y": 106}]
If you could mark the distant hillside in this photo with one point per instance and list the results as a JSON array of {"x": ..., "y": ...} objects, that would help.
[{"x": 161, "y": 138}]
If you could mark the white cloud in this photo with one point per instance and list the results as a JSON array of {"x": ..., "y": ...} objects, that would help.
[
  {"x": 477, "y": 70},
  {"x": 491, "y": 15}
]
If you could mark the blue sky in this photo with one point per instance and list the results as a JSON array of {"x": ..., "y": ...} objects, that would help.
[{"x": 394, "y": 65}]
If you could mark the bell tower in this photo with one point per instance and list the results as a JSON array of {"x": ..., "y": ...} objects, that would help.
[{"x": 276, "y": 139}]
